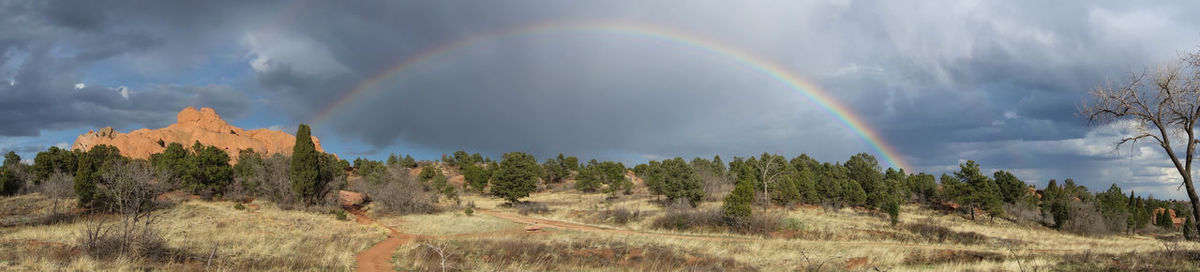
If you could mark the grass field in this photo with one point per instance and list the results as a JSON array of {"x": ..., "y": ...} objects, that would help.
[
  {"x": 576, "y": 236},
  {"x": 259, "y": 237}
]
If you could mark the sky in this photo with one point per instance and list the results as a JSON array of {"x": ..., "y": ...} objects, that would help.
[{"x": 940, "y": 82}]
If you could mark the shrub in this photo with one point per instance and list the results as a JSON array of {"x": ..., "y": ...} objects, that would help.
[
  {"x": 341, "y": 215},
  {"x": 130, "y": 192},
  {"x": 737, "y": 207},
  {"x": 398, "y": 192},
  {"x": 893, "y": 210},
  {"x": 469, "y": 211},
  {"x": 526, "y": 208},
  {"x": 239, "y": 206},
  {"x": 620, "y": 216}
]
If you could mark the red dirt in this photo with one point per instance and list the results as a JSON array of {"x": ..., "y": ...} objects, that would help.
[{"x": 379, "y": 256}]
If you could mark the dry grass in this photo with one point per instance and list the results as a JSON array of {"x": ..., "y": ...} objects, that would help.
[
  {"x": 854, "y": 238},
  {"x": 262, "y": 237},
  {"x": 448, "y": 223}
]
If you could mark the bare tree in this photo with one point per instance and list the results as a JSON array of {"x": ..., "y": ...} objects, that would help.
[
  {"x": 770, "y": 167},
  {"x": 129, "y": 190},
  {"x": 1163, "y": 104}
]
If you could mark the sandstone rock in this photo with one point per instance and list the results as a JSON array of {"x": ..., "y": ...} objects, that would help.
[
  {"x": 193, "y": 125},
  {"x": 348, "y": 198}
]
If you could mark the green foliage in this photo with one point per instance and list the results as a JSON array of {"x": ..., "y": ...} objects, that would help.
[
  {"x": 428, "y": 173},
  {"x": 1189, "y": 232},
  {"x": 923, "y": 185},
  {"x": 53, "y": 160},
  {"x": 865, "y": 169},
  {"x": 975, "y": 190},
  {"x": 558, "y": 169},
  {"x": 306, "y": 166},
  {"x": 680, "y": 181},
  {"x": 892, "y": 207},
  {"x": 476, "y": 176},
  {"x": 609, "y": 174},
  {"x": 248, "y": 160},
  {"x": 1011, "y": 188},
  {"x": 1113, "y": 202},
  {"x": 208, "y": 170},
  {"x": 737, "y": 206},
  {"x": 92, "y": 166},
  {"x": 516, "y": 176},
  {"x": 408, "y": 162},
  {"x": 369, "y": 168},
  {"x": 1061, "y": 213},
  {"x": 10, "y": 180},
  {"x": 239, "y": 206},
  {"x": 469, "y": 211}
]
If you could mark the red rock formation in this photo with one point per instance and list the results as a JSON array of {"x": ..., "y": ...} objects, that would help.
[
  {"x": 193, "y": 125},
  {"x": 1178, "y": 221}
]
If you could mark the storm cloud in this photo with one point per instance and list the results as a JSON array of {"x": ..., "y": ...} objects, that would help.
[{"x": 941, "y": 81}]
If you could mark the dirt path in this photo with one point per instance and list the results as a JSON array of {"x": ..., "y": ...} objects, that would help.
[{"x": 379, "y": 256}]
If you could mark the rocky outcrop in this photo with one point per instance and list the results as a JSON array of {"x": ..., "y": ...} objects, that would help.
[{"x": 203, "y": 125}]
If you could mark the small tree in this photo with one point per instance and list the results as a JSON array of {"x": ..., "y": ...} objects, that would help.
[
  {"x": 305, "y": 166},
  {"x": 53, "y": 160},
  {"x": 680, "y": 181},
  {"x": 93, "y": 164},
  {"x": 516, "y": 176},
  {"x": 476, "y": 176},
  {"x": 892, "y": 207},
  {"x": 737, "y": 206},
  {"x": 10, "y": 174}
]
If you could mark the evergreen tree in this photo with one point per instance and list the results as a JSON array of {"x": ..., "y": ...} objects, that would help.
[
  {"x": 476, "y": 177},
  {"x": 10, "y": 182},
  {"x": 92, "y": 166},
  {"x": 408, "y": 162},
  {"x": 53, "y": 160},
  {"x": 173, "y": 160},
  {"x": 306, "y": 166},
  {"x": 865, "y": 169},
  {"x": 1011, "y": 188},
  {"x": 248, "y": 160},
  {"x": 516, "y": 176},
  {"x": 209, "y": 170},
  {"x": 680, "y": 181},
  {"x": 737, "y": 206}
]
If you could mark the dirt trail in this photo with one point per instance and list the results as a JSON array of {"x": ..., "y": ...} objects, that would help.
[{"x": 379, "y": 256}]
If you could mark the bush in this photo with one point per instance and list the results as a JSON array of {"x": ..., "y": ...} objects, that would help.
[
  {"x": 129, "y": 190},
  {"x": 341, "y": 215},
  {"x": 526, "y": 208},
  {"x": 239, "y": 206},
  {"x": 737, "y": 208},
  {"x": 398, "y": 192},
  {"x": 620, "y": 216},
  {"x": 469, "y": 211}
]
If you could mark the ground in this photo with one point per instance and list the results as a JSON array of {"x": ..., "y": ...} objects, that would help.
[{"x": 572, "y": 237}]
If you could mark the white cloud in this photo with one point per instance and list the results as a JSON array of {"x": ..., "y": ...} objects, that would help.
[
  {"x": 63, "y": 145},
  {"x": 80, "y": 86},
  {"x": 124, "y": 91}
]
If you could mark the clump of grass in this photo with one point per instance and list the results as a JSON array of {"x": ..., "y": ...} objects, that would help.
[
  {"x": 686, "y": 219},
  {"x": 620, "y": 216},
  {"x": 526, "y": 208},
  {"x": 239, "y": 206},
  {"x": 952, "y": 256},
  {"x": 499, "y": 254},
  {"x": 469, "y": 211},
  {"x": 941, "y": 234}
]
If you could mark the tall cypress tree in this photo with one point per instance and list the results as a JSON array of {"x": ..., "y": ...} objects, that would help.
[{"x": 305, "y": 165}]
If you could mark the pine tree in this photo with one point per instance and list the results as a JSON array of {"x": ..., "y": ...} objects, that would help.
[
  {"x": 737, "y": 206},
  {"x": 516, "y": 176},
  {"x": 305, "y": 166}
]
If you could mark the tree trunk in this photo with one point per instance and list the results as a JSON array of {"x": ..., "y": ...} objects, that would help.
[{"x": 1191, "y": 190}]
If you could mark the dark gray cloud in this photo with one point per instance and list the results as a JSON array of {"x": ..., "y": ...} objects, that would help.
[
  {"x": 942, "y": 81},
  {"x": 50, "y": 50}
]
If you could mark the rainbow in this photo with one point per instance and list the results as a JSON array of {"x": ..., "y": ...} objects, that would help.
[{"x": 809, "y": 90}]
